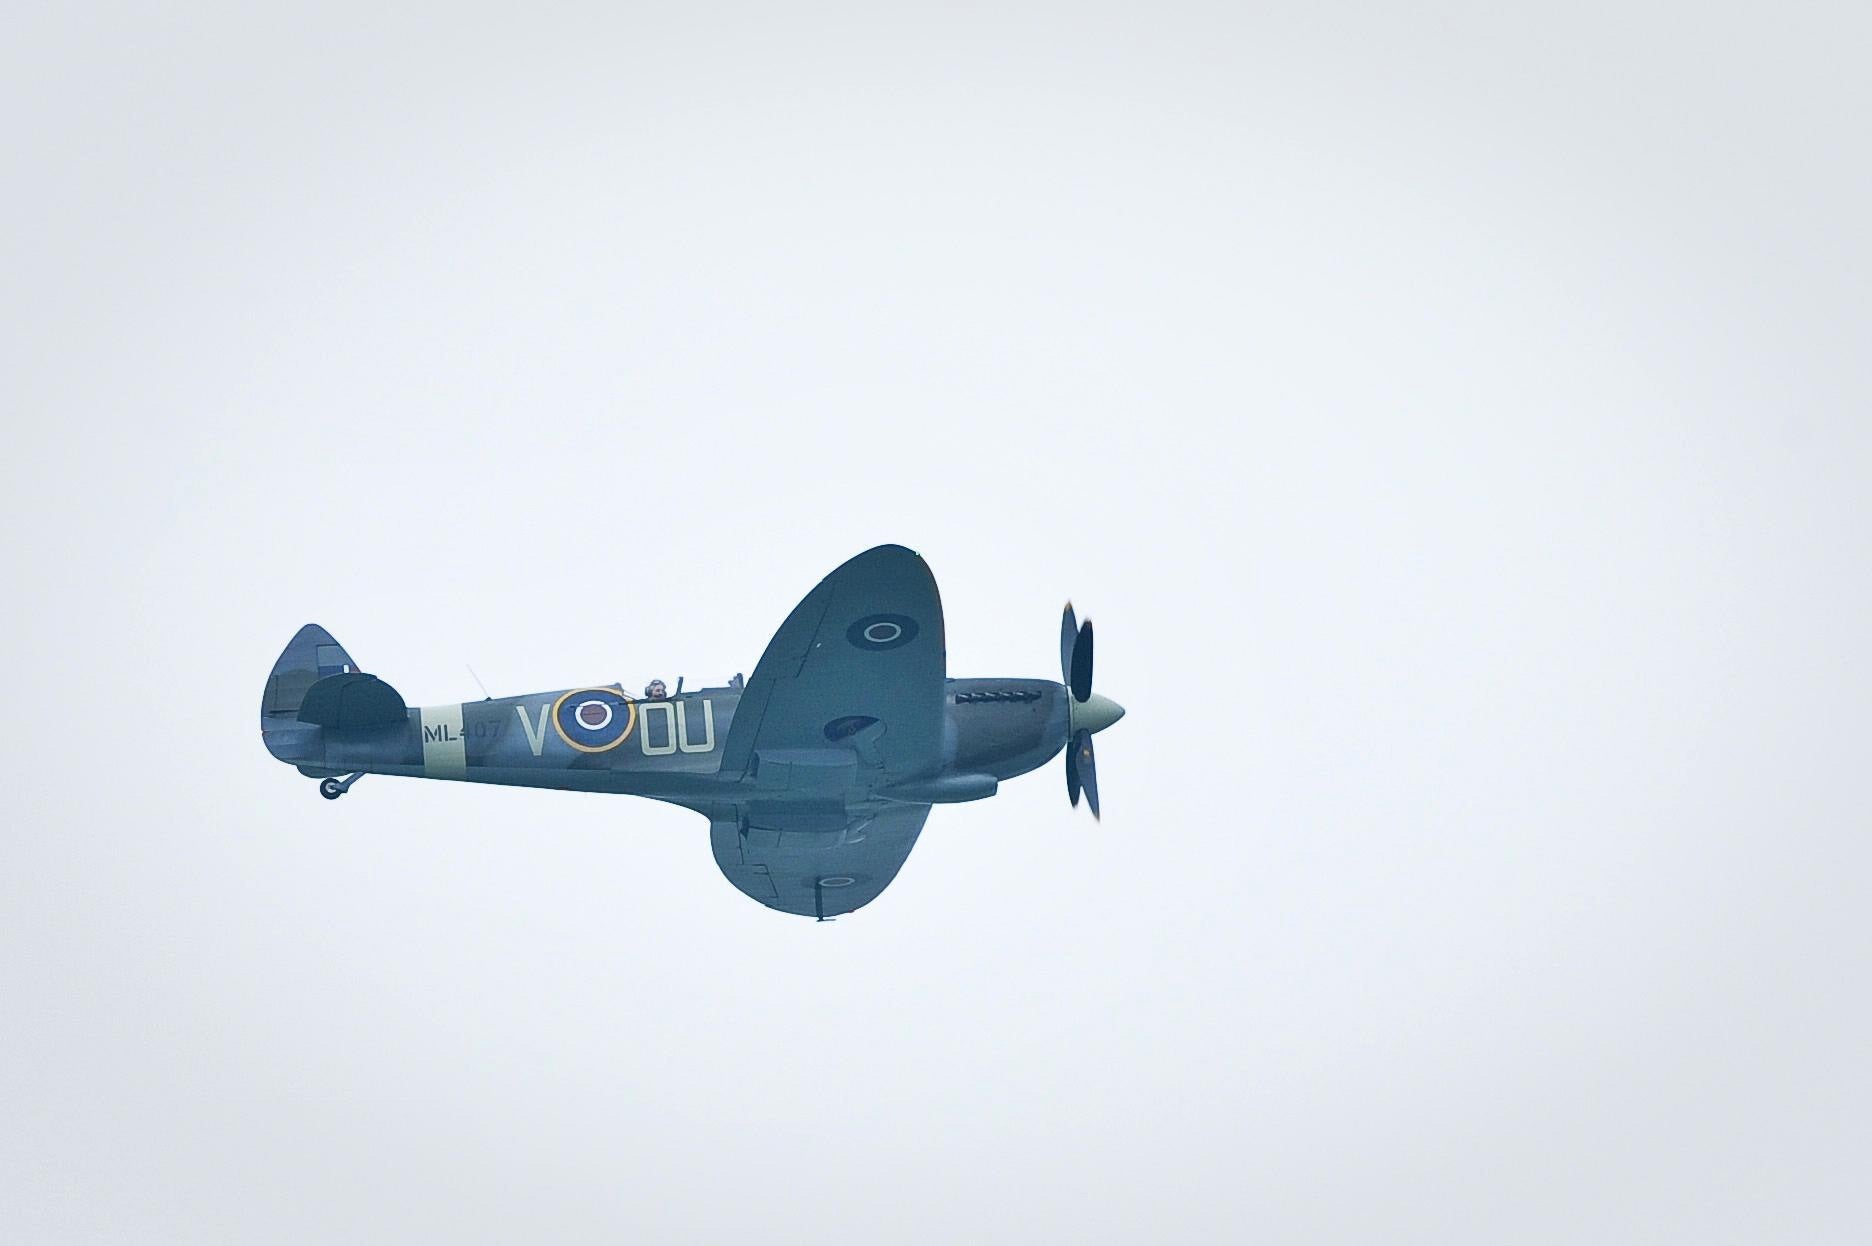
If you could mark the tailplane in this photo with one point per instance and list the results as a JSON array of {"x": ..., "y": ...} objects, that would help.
[{"x": 316, "y": 684}]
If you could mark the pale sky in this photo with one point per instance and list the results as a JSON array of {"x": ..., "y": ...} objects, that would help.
[{"x": 1454, "y": 419}]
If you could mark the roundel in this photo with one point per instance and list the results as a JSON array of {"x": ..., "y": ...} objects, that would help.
[
  {"x": 593, "y": 720},
  {"x": 882, "y": 631}
]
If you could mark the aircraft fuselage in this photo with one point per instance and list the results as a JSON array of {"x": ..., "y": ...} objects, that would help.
[{"x": 596, "y": 739}]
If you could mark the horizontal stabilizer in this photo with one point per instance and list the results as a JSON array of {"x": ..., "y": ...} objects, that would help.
[{"x": 353, "y": 702}]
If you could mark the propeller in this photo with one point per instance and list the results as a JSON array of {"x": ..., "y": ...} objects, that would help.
[
  {"x": 1076, "y": 654},
  {"x": 1081, "y": 772},
  {"x": 1088, "y": 712}
]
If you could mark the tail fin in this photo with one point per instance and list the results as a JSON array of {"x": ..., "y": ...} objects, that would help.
[
  {"x": 311, "y": 655},
  {"x": 317, "y": 684}
]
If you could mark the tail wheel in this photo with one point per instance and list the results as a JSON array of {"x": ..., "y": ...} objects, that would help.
[{"x": 330, "y": 789}]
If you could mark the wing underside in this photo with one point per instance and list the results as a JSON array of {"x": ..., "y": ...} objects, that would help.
[{"x": 815, "y": 863}]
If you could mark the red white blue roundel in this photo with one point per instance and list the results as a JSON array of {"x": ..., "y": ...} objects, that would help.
[{"x": 593, "y": 720}]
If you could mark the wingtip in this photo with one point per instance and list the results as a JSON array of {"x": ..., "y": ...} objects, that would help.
[{"x": 885, "y": 553}]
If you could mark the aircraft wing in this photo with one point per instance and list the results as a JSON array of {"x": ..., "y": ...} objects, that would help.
[
  {"x": 866, "y": 644},
  {"x": 818, "y": 873}
]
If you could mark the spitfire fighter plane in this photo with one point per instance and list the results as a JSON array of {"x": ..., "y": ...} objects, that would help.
[{"x": 815, "y": 775}]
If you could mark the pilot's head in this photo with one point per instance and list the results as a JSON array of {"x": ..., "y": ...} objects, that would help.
[{"x": 655, "y": 690}]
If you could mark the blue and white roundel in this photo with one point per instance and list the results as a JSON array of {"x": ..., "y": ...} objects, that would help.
[
  {"x": 882, "y": 631},
  {"x": 593, "y": 720}
]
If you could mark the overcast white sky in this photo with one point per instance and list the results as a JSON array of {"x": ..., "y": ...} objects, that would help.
[{"x": 1454, "y": 419}]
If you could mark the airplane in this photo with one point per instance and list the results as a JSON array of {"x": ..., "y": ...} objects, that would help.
[{"x": 816, "y": 774}]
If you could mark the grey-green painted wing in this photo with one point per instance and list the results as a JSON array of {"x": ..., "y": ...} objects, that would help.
[
  {"x": 865, "y": 648},
  {"x": 817, "y": 873}
]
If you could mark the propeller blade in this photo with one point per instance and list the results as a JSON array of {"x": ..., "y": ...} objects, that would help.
[
  {"x": 1082, "y": 663},
  {"x": 1084, "y": 771},
  {"x": 1069, "y": 632},
  {"x": 1076, "y": 671}
]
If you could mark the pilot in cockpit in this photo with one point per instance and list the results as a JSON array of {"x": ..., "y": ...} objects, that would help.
[{"x": 655, "y": 691}]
